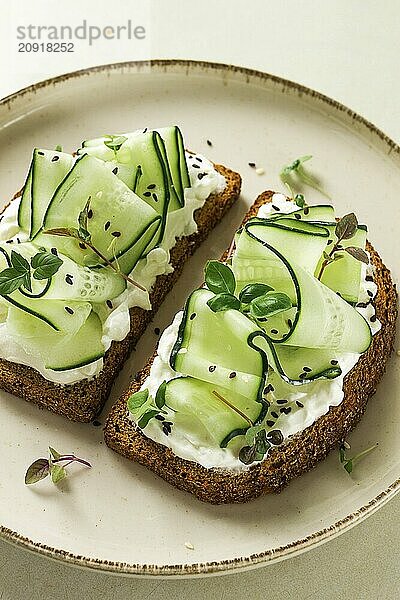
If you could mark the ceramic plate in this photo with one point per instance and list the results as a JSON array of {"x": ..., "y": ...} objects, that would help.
[{"x": 118, "y": 516}]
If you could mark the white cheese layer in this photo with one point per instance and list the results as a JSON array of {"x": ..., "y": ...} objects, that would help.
[
  {"x": 117, "y": 323},
  {"x": 307, "y": 402}
]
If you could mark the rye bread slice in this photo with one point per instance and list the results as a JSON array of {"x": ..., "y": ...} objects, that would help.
[
  {"x": 300, "y": 453},
  {"x": 84, "y": 400}
]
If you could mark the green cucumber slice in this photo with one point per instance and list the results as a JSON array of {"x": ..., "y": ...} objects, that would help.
[
  {"x": 25, "y": 206},
  {"x": 48, "y": 170},
  {"x": 198, "y": 408},
  {"x": 322, "y": 319},
  {"x": 119, "y": 218},
  {"x": 344, "y": 276},
  {"x": 212, "y": 347},
  {"x": 58, "y": 350}
]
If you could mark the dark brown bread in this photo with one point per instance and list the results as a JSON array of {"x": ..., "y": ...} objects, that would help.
[
  {"x": 301, "y": 453},
  {"x": 84, "y": 400}
]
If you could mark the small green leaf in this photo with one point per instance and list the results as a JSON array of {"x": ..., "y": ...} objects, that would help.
[
  {"x": 137, "y": 400},
  {"x": 160, "y": 395},
  {"x": 300, "y": 200},
  {"x": 250, "y": 435},
  {"x": 37, "y": 471},
  {"x": 342, "y": 454},
  {"x": 58, "y": 473},
  {"x": 346, "y": 227},
  {"x": 252, "y": 291},
  {"x": 58, "y": 148},
  {"x": 10, "y": 280},
  {"x": 261, "y": 443},
  {"x": 219, "y": 277},
  {"x": 221, "y": 302},
  {"x": 45, "y": 265},
  {"x": 358, "y": 254},
  {"x": 247, "y": 455},
  {"x": 55, "y": 455},
  {"x": 269, "y": 304},
  {"x": 19, "y": 262},
  {"x": 348, "y": 465},
  {"x": 114, "y": 142},
  {"x": 144, "y": 420}
]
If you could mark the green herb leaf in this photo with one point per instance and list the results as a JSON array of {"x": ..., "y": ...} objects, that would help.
[
  {"x": 58, "y": 148},
  {"x": 114, "y": 142},
  {"x": 261, "y": 443},
  {"x": 37, "y": 471},
  {"x": 300, "y": 200},
  {"x": 358, "y": 254},
  {"x": 144, "y": 420},
  {"x": 221, "y": 302},
  {"x": 45, "y": 265},
  {"x": 294, "y": 166},
  {"x": 219, "y": 277},
  {"x": 137, "y": 400},
  {"x": 348, "y": 465},
  {"x": 63, "y": 232},
  {"x": 342, "y": 454},
  {"x": 252, "y": 291},
  {"x": 269, "y": 304},
  {"x": 55, "y": 455},
  {"x": 10, "y": 280},
  {"x": 247, "y": 455},
  {"x": 295, "y": 172},
  {"x": 346, "y": 227},
  {"x": 21, "y": 266},
  {"x": 58, "y": 473},
  {"x": 160, "y": 395}
]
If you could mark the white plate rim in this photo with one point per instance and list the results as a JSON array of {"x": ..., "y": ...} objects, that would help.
[{"x": 273, "y": 554}]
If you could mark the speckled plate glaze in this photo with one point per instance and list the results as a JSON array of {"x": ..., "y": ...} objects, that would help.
[{"x": 119, "y": 517}]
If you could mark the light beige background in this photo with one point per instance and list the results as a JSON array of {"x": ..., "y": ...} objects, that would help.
[{"x": 347, "y": 49}]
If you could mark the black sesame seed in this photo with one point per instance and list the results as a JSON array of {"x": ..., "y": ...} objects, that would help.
[
  {"x": 68, "y": 279},
  {"x": 116, "y": 233},
  {"x": 362, "y": 304},
  {"x": 155, "y": 197},
  {"x": 41, "y": 153},
  {"x": 157, "y": 330},
  {"x": 307, "y": 369},
  {"x": 198, "y": 159},
  {"x": 69, "y": 310},
  {"x": 18, "y": 240},
  {"x": 107, "y": 225},
  {"x": 275, "y": 331},
  {"x": 82, "y": 245},
  {"x": 297, "y": 216},
  {"x": 192, "y": 316},
  {"x": 252, "y": 165},
  {"x": 306, "y": 210},
  {"x": 160, "y": 418},
  {"x": 370, "y": 294},
  {"x": 299, "y": 404},
  {"x": 269, "y": 388},
  {"x": 275, "y": 437},
  {"x": 290, "y": 322},
  {"x": 147, "y": 194},
  {"x": 334, "y": 362},
  {"x": 275, "y": 207},
  {"x": 115, "y": 171},
  {"x": 329, "y": 242},
  {"x": 109, "y": 303},
  {"x": 232, "y": 375},
  {"x": 145, "y": 130},
  {"x": 373, "y": 318},
  {"x": 285, "y": 410},
  {"x": 281, "y": 401},
  {"x": 55, "y": 158},
  {"x": 9, "y": 241},
  {"x": 270, "y": 423},
  {"x": 209, "y": 143},
  {"x": 369, "y": 278},
  {"x": 302, "y": 375},
  {"x": 54, "y": 251},
  {"x": 201, "y": 175},
  {"x": 195, "y": 166},
  {"x": 90, "y": 213},
  {"x": 212, "y": 368},
  {"x": 151, "y": 186},
  {"x": 274, "y": 414}
]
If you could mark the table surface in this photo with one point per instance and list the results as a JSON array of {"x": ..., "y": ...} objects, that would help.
[{"x": 346, "y": 49}]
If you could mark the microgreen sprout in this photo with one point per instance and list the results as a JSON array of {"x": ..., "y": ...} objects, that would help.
[{"x": 54, "y": 466}]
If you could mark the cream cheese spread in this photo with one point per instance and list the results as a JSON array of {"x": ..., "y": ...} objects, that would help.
[
  {"x": 307, "y": 402},
  {"x": 116, "y": 323}
]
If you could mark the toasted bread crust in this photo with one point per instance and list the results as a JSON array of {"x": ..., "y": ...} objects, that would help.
[
  {"x": 84, "y": 400},
  {"x": 301, "y": 453}
]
